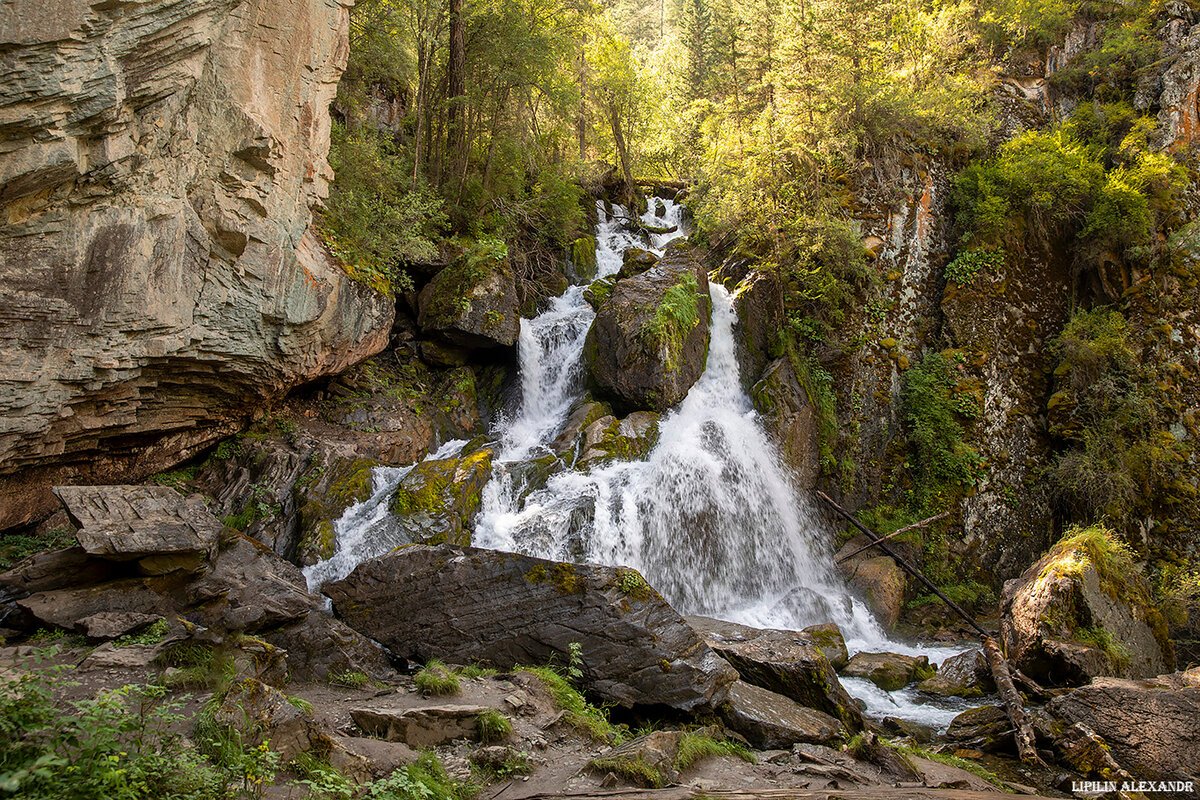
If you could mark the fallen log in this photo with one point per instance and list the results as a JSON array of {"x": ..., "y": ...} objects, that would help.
[{"x": 1022, "y": 729}]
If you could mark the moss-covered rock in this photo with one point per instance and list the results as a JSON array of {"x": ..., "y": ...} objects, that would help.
[
  {"x": 583, "y": 258},
  {"x": 649, "y": 341},
  {"x": 888, "y": 671},
  {"x": 636, "y": 261},
  {"x": 472, "y": 303},
  {"x": 611, "y": 439},
  {"x": 437, "y": 501},
  {"x": 599, "y": 291},
  {"x": 964, "y": 675},
  {"x": 324, "y": 493},
  {"x": 1084, "y": 610}
]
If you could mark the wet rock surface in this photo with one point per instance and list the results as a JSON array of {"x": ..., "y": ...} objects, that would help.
[
  {"x": 888, "y": 671},
  {"x": 467, "y": 604},
  {"x": 649, "y": 341},
  {"x": 770, "y": 721},
  {"x": 788, "y": 663}
]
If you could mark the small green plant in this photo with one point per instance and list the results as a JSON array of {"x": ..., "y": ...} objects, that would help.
[
  {"x": 424, "y": 779},
  {"x": 580, "y": 713},
  {"x": 324, "y": 781},
  {"x": 196, "y": 665},
  {"x": 492, "y": 726},
  {"x": 153, "y": 633},
  {"x": 244, "y": 757},
  {"x": 674, "y": 319},
  {"x": 473, "y": 671},
  {"x": 17, "y": 547},
  {"x": 695, "y": 746},
  {"x": 351, "y": 679},
  {"x": 435, "y": 678},
  {"x": 970, "y": 263},
  {"x": 633, "y": 768},
  {"x": 301, "y": 705},
  {"x": 575, "y": 662},
  {"x": 945, "y": 465},
  {"x": 514, "y": 763}
]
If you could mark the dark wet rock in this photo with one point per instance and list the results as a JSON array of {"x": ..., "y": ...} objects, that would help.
[
  {"x": 906, "y": 727},
  {"x": 789, "y": 416},
  {"x": 569, "y": 438},
  {"x": 770, "y": 721},
  {"x": 56, "y": 569},
  {"x": 112, "y": 624},
  {"x": 125, "y": 523},
  {"x": 760, "y": 316},
  {"x": 598, "y": 291},
  {"x": 67, "y": 608},
  {"x": 963, "y": 675},
  {"x": 790, "y": 663},
  {"x": 468, "y": 605},
  {"x": 1063, "y": 622},
  {"x": 985, "y": 728},
  {"x": 421, "y": 727},
  {"x": 649, "y": 341},
  {"x": 583, "y": 258},
  {"x": 441, "y": 354},
  {"x": 319, "y": 646},
  {"x": 829, "y": 640},
  {"x": 888, "y": 671},
  {"x": 437, "y": 501},
  {"x": 249, "y": 588},
  {"x": 472, "y": 303},
  {"x": 1150, "y": 727}
]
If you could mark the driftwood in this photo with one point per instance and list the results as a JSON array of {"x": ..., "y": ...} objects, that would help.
[
  {"x": 1022, "y": 729},
  {"x": 894, "y": 534}
]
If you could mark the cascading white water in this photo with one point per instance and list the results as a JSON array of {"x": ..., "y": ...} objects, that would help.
[
  {"x": 709, "y": 517},
  {"x": 367, "y": 529}
]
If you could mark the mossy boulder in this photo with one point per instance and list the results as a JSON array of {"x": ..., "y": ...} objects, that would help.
[
  {"x": 985, "y": 728},
  {"x": 649, "y": 341},
  {"x": 964, "y": 675},
  {"x": 636, "y": 261},
  {"x": 611, "y": 439},
  {"x": 599, "y": 291},
  {"x": 472, "y": 303},
  {"x": 1084, "y": 610},
  {"x": 888, "y": 671},
  {"x": 829, "y": 640},
  {"x": 437, "y": 501},
  {"x": 583, "y": 258},
  {"x": 323, "y": 494},
  {"x": 876, "y": 578},
  {"x": 791, "y": 418}
]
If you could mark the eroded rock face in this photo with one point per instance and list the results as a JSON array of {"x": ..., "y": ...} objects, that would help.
[
  {"x": 468, "y": 605},
  {"x": 1151, "y": 727},
  {"x": 1063, "y": 623},
  {"x": 158, "y": 272},
  {"x": 649, "y": 341},
  {"x": 472, "y": 303}
]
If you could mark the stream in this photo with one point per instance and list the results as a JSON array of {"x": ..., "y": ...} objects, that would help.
[{"x": 709, "y": 517}]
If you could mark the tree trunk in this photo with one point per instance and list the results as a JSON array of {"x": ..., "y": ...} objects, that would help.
[
  {"x": 456, "y": 69},
  {"x": 1023, "y": 733},
  {"x": 622, "y": 152}
]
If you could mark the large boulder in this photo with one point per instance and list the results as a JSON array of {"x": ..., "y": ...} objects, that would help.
[
  {"x": 438, "y": 500},
  {"x": 159, "y": 275},
  {"x": 150, "y": 523},
  {"x": 472, "y": 303},
  {"x": 1081, "y": 611},
  {"x": 469, "y": 605},
  {"x": 876, "y": 578},
  {"x": 609, "y": 439},
  {"x": 649, "y": 341},
  {"x": 964, "y": 675},
  {"x": 770, "y": 721},
  {"x": 789, "y": 663},
  {"x": 888, "y": 671},
  {"x": 1150, "y": 727}
]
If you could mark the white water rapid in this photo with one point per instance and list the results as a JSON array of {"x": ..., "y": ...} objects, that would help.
[{"x": 709, "y": 517}]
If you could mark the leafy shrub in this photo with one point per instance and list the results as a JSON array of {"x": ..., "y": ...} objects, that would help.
[
  {"x": 944, "y": 462},
  {"x": 351, "y": 679},
  {"x": 970, "y": 263},
  {"x": 424, "y": 779},
  {"x": 122, "y": 743},
  {"x": 492, "y": 727}
]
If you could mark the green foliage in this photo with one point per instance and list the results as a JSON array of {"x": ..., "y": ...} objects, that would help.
[
  {"x": 1019, "y": 24},
  {"x": 259, "y": 504},
  {"x": 943, "y": 463},
  {"x": 969, "y": 594},
  {"x": 424, "y": 779},
  {"x": 435, "y": 678},
  {"x": 695, "y": 746},
  {"x": 376, "y": 219},
  {"x": 301, "y": 705},
  {"x": 580, "y": 713},
  {"x": 492, "y": 726},
  {"x": 18, "y": 546},
  {"x": 197, "y": 665},
  {"x": 514, "y": 764},
  {"x": 674, "y": 319},
  {"x": 122, "y": 744},
  {"x": 632, "y": 767},
  {"x": 970, "y": 263},
  {"x": 153, "y": 633},
  {"x": 1100, "y": 548},
  {"x": 1099, "y": 637},
  {"x": 245, "y": 758},
  {"x": 324, "y": 781}
]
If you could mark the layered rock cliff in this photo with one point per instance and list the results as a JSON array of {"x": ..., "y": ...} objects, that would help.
[{"x": 159, "y": 275}]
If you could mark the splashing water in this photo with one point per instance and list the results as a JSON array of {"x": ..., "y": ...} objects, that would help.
[{"x": 368, "y": 529}]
